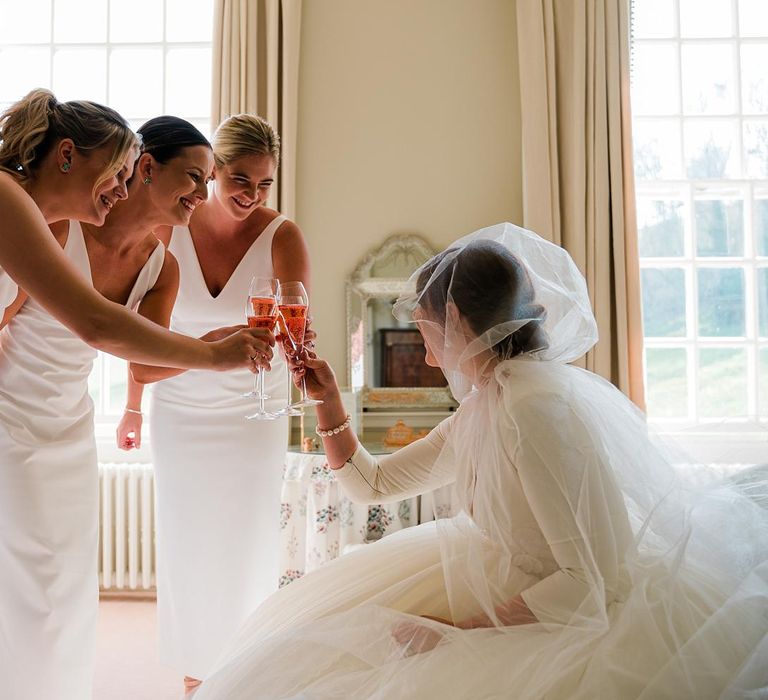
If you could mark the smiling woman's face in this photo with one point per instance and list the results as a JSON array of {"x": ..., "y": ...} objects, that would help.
[
  {"x": 244, "y": 184},
  {"x": 179, "y": 185},
  {"x": 92, "y": 196}
]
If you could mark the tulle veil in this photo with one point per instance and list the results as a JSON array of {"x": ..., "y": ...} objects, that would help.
[{"x": 647, "y": 579}]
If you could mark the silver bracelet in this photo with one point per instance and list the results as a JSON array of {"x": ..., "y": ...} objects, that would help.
[
  {"x": 335, "y": 431},
  {"x": 133, "y": 410}
]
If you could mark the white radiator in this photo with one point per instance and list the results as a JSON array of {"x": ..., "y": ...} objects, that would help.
[{"x": 127, "y": 527}]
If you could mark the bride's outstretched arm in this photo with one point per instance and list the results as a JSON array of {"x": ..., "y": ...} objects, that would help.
[{"x": 410, "y": 471}]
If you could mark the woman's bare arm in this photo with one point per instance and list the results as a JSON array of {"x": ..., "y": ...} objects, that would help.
[
  {"x": 290, "y": 256},
  {"x": 157, "y": 306},
  {"x": 36, "y": 262}
]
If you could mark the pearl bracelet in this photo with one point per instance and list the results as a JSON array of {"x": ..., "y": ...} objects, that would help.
[
  {"x": 133, "y": 410},
  {"x": 335, "y": 431}
]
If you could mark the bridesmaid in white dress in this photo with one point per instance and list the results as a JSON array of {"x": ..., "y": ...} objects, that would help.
[
  {"x": 60, "y": 161},
  {"x": 218, "y": 476},
  {"x": 70, "y": 160},
  {"x": 50, "y": 491},
  {"x": 583, "y": 564}
]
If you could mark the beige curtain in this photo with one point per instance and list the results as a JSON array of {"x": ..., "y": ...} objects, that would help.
[
  {"x": 256, "y": 70},
  {"x": 578, "y": 185}
]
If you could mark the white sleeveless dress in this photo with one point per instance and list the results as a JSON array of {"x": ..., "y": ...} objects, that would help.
[
  {"x": 8, "y": 290},
  {"x": 49, "y": 500},
  {"x": 218, "y": 476}
]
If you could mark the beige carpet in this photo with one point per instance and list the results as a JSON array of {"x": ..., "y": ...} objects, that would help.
[{"x": 126, "y": 655}]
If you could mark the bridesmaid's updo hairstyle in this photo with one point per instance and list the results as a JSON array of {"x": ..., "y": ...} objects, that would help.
[
  {"x": 489, "y": 286},
  {"x": 31, "y": 127},
  {"x": 245, "y": 135},
  {"x": 164, "y": 138}
]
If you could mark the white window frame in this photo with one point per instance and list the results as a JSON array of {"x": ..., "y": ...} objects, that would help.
[
  {"x": 107, "y": 418},
  {"x": 711, "y": 439}
]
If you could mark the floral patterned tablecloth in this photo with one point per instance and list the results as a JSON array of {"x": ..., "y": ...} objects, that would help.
[{"x": 318, "y": 522}]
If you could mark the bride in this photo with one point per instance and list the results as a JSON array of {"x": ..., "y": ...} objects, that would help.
[{"x": 583, "y": 564}]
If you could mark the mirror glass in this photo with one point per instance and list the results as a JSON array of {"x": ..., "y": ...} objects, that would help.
[{"x": 384, "y": 354}]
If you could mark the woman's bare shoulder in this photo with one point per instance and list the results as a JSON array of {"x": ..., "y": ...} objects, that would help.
[
  {"x": 16, "y": 204},
  {"x": 288, "y": 231},
  {"x": 10, "y": 189}
]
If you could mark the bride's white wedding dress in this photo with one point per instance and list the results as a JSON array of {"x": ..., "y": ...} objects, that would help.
[{"x": 643, "y": 586}]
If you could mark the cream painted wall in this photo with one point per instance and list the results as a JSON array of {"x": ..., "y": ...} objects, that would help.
[{"x": 409, "y": 122}]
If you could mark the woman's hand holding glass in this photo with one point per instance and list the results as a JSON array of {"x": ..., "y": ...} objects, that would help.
[
  {"x": 314, "y": 374},
  {"x": 249, "y": 347}
]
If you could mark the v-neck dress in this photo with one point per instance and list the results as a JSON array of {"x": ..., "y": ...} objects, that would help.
[
  {"x": 49, "y": 498},
  {"x": 218, "y": 476}
]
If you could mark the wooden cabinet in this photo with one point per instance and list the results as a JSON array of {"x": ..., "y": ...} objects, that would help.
[{"x": 402, "y": 360}]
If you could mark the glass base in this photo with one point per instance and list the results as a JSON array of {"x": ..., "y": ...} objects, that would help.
[
  {"x": 255, "y": 395},
  {"x": 306, "y": 402},
  {"x": 291, "y": 410},
  {"x": 262, "y": 415}
]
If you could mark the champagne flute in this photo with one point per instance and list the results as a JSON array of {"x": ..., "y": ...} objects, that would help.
[
  {"x": 294, "y": 306},
  {"x": 292, "y": 313},
  {"x": 261, "y": 312}
]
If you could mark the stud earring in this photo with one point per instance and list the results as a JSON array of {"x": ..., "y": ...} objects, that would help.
[
  {"x": 147, "y": 180},
  {"x": 65, "y": 167}
]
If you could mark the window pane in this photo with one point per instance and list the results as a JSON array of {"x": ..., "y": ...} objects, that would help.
[
  {"x": 660, "y": 227},
  {"x": 14, "y": 83},
  {"x": 710, "y": 149},
  {"x": 186, "y": 70},
  {"x": 24, "y": 22},
  {"x": 653, "y": 18},
  {"x": 708, "y": 76},
  {"x": 189, "y": 20},
  {"x": 753, "y": 18},
  {"x": 761, "y": 226},
  {"x": 762, "y": 301},
  {"x": 705, "y": 18},
  {"x": 80, "y": 74},
  {"x": 655, "y": 79},
  {"x": 721, "y": 302},
  {"x": 663, "y": 301},
  {"x": 722, "y": 382},
  {"x": 667, "y": 382},
  {"x": 763, "y": 381},
  {"x": 756, "y": 148},
  {"x": 135, "y": 21},
  {"x": 754, "y": 81},
  {"x": 136, "y": 82},
  {"x": 719, "y": 226},
  {"x": 657, "y": 149},
  {"x": 204, "y": 125},
  {"x": 80, "y": 21},
  {"x": 118, "y": 382}
]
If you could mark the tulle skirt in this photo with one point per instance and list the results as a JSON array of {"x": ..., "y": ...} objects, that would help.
[{"x": 676, "y": 634}]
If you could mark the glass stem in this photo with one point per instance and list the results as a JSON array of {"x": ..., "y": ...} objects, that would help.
[{"x": 261, "y": 389}]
